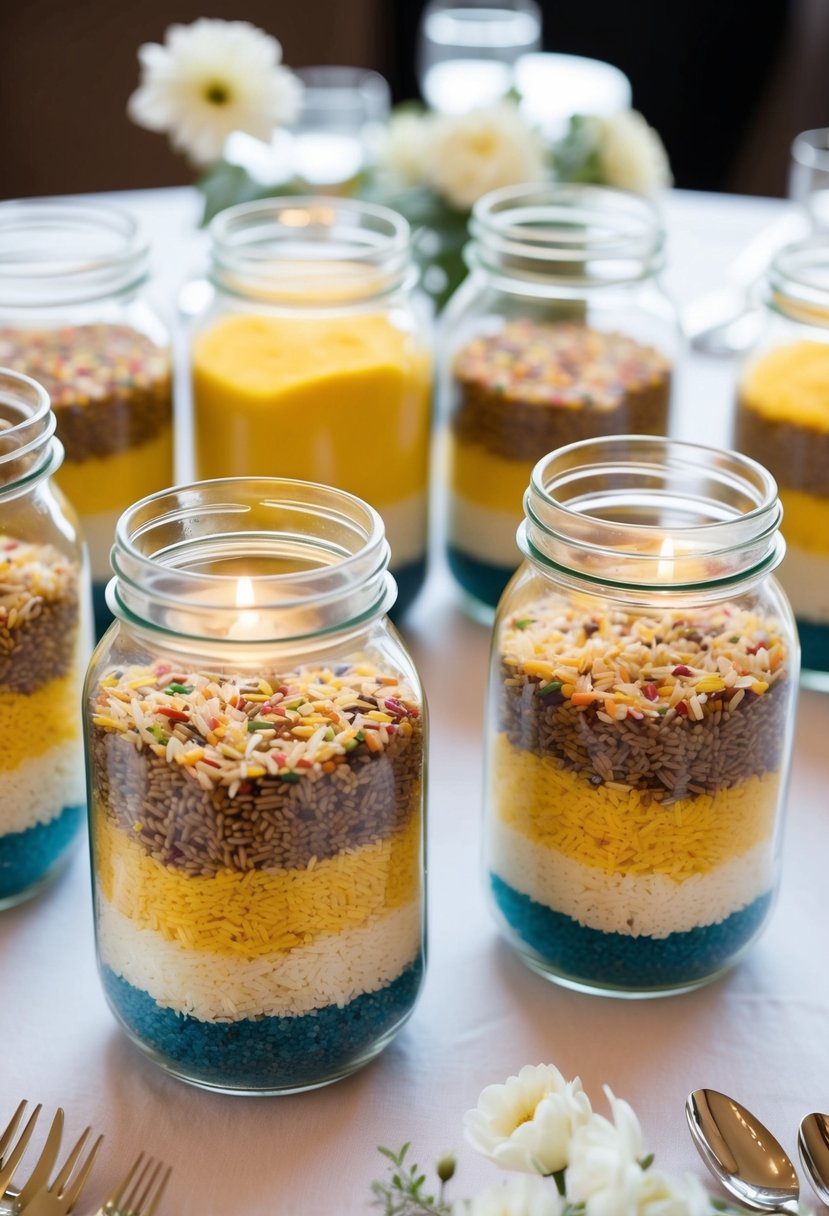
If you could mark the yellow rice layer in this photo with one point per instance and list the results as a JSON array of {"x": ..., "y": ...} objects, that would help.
[
  {"x": 30, "y": 725},
  {"x": 488, "y": 480},
  {"x": 805, "y": 521},
  {"x": 256, "y": 912},
  {"x": 621, "y": 831},
  {"x": 791, "y": 384},
  {"x": 114, "y": 482}
]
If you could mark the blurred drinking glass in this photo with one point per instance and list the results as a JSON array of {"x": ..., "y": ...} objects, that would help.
[
  {"x": 809, "y": 176},
  {"x": 337, "y": 131},
  {"x": 467, "y": 52}
]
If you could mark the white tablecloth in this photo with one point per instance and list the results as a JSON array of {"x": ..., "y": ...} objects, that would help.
[{"x": 759, "y": 1034}]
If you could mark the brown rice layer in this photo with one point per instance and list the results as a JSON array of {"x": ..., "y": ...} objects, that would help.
[
  {"x": 110, "y": 385},
  {"x": 268, "y": 823},
  {"x": 796, "y": 456},
  {"x": 39, "y": 614},
  {"x": 531, "y": 388}
]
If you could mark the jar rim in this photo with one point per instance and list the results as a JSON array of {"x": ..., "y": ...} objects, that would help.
[
  {"x": 64, "y": 251},
  {"x": 798, "y": 280},
  {"x": 167, "y": 545},
  {"x": 28, "y": 449},
  {"x": 605, "y": 508}
]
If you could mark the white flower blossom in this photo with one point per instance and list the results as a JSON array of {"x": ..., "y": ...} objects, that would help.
[
  {"x": 404, "y": 149},
  {"x": 631, "y": 154},
  {"x": 528, "y": 1122},
  {"x": 471, "y": 154},
  {"x": 209, "y": 79},
  {"x": 516, "y": 1197}
]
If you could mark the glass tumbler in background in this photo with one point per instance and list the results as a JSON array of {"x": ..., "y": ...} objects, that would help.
[
  {"x": 809, "y": 176},
  {"x": 336, "y": 133},
  {"x": 467, "y": 52}
]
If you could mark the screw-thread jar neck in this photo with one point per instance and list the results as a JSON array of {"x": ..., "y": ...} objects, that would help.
[
  {"x": 28, "y": 450},
  {"x": 530, "y": 238},
  {"x": 642, "y": 515},
  {"x": 63, "y": 253},
  {"x": 313, "y": 252},
  {"x": 799, "y": 281},
  {"x": 250, "y": 560}
]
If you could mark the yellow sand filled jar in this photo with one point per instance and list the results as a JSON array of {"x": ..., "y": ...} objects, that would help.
[
  {"x": 45, "y": 638},
  {"x": 782, "y": 420},
  {"x": 312, "y": 362},
  {"x": 74, "y": 317},
  {"x": 641, "y": 705}
]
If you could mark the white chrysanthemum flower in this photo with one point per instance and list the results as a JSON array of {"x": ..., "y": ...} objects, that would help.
[
  {"x": 631, "y": 154},
  {"x": 516, "y": 1197},
  {"x": 405, "y": 146},
  {"x": 209, "y": 79},
  {"x": 471, "y": 154},
  {"x": 528, "y": 1122}
]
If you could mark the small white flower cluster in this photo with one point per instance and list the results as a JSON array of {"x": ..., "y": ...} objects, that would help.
[{"x": 540, "y": 1124}]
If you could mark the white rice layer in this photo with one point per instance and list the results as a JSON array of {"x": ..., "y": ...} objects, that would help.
[
  {"x": 805, "y": 577},
  {"x": 483, "y": 533},
  {"x": 405, "y": 522},
  {"x": 39, "y": 789},
  {"x": 651, "y": 905},
  {"x": 217, "y": 988},
  {"x": 99, "y": 533}
]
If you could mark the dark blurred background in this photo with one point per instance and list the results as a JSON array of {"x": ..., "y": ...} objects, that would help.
[{"x": 727, "y": 83}]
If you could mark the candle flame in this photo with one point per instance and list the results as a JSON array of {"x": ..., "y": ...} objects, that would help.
[
  {"x": 665, "y": 567},
  {"x": 244, "y": 593}
]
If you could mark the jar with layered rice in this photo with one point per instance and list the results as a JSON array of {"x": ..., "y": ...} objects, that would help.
[
  {"x": 256, "y": 744},
  {"x": 74, "y": 316},
  {"x": 640, "y": 713},
  {"x": 561, "y": 332},
  {"x": 782, "y": 420},
  {"x": 45, "y": 639}
]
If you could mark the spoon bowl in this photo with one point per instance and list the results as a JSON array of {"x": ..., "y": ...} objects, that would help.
[
  {"x": 813, "y": 1146},
  {"x": 741, "y": 1153}
]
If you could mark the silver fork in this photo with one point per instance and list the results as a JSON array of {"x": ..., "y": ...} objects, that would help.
[
  {"x": 11, "y": 1152},
  {"x": 139, "y": 1193},
  {"x": 60, "y": 1197}
]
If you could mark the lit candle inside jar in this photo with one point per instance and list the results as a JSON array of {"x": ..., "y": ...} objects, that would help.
[
  {"x": 665, "y": 567},
  {"x": 246, "y": 625}
]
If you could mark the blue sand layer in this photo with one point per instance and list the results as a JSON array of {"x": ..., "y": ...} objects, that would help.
[
  {"x": 269, "y": 1053},
  {"x": 481, "y": 580},
  {"x": 100, "y": 611},
  {"x": 617, "y": 960},
  {"x": 409, "y": 579},
  {"x": 814, "y": 645},
  {"x": 26, "y": 857}
]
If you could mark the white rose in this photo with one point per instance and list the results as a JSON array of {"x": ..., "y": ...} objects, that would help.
[
  {"x": 404, "y": 149},
  {"x": 528, "y": 1122},
  {"x": 516, "y": 1197},
  {"x": 631, "y": 154},
  {"x": 471, "y": 154}
]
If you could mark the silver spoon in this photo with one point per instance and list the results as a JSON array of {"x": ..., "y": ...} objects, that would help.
[
  {"x": 813, "y": 1145},
  {"x": 742, "y": 1153}
]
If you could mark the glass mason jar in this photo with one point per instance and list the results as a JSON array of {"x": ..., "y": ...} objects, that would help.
[
  {"x": 45, "y": 641},
  {"x": 641, "y": 705},
  {"x": 782, "y": 420},
  {"x": 73, "y": 316},
  {"x": 256, "y": 747},
  {"x": 312, "y": 361},
  {"x": 561, "y": 332}
]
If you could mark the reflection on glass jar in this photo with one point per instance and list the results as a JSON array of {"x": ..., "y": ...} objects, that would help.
[
  {"x": 256, "y": 743},
  {"x": 783, "y": 421},
  {"x": 72, "y": 316},
  {"x": 313, "y": 363},
  {"x": 44, "y": 643},
  {"x": 560, "y": 333},
  {"x": 641, "y": 707}
]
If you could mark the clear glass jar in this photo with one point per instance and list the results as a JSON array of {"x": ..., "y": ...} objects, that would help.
[
  {"x": 782, "y": 420},
  {"x": 641, "y": 706},
  {"x": 313, "y": 362},
  {"x": 561, "y": 332},
  {"x": 73, "y": 315},
  {"x": 45, "y": 640},
  {"x": 256, "y": 746}
]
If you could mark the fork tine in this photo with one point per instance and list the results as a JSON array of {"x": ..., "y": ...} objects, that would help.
[
  {"x": 79, "y": 1181},
  {"x": 13, "y": 1160},
  {"x": 117, "y": 1195},
  {"x": 8, "y": 1134},
  {"x": 69, "y": 1164},
  {"x": 45, "y": 1162},
  {"x": 131, "y": 1201},
  {"x": 159, "y": 1192}
]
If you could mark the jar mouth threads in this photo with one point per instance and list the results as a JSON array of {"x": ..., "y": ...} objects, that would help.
[
  {"x": 56, "y": 253},
  {"x": 286, "y": 559},
  {"x": 577, "y": 234},
  {"x": 646, "y": 512},
  {"x": 311, "y": 250},
  {"x": 799, "y": 281},
  {"x": 28, "y": 449}
]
